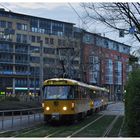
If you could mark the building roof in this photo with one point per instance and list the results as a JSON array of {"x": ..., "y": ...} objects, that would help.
[
  {"x": 31, "y": 16},
  {"x": 106, "y": 38}
]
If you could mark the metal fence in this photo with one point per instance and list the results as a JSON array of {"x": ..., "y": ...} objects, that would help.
[{"x": 13, "y": 119}]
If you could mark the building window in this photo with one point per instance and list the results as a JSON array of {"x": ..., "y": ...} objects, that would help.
[
  {"x": 51, "y": 41},
  {"x": 33, "y": 38},
  {"x": 35, "y": 59},
  {"x": 24, "y": 39},
  {"x": 64, "y": 42},
  {"x": 3, "y": 24},
  {"x": 34, "y": 29},
  {"x": 49, "y": 60},
  {"x": 46, "y": 40},
  {"x": 106, "y": 43},
  {"x": 76, "y": 45},
  {"x": 49, "y": 50},
  {"x": 38, "y": 39},
  {"x": 22, "y": 26},
  {"x": 9, "y": 24},
  {"x": 41, "y": 31},
  {"x": 59, "y": 42},
  {"x": 18, "y": 38},
  {"x": 19, "y": 27}
]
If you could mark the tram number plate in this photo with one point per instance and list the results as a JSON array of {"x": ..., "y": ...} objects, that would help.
[{"x": 55, "y": 116}]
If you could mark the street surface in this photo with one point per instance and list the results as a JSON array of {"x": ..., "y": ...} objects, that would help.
[{"x": 114, "y": 109}]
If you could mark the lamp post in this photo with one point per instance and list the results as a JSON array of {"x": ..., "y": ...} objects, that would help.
[
  {"x": 28, "y": 74},
  {"x": 41, "y": 69}
]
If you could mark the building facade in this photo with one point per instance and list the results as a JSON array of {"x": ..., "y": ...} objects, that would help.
[
  {"x": 105, "y": 63},
  {"x": 21, "y": 39},
  {"x": 27, "y": 41}
]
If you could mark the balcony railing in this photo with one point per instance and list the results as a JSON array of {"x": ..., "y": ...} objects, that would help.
[
  {"x": 6, "y": 50},
  {"x": 14, "y": 73},
  {"x": 21, "y": 51},
  {"x": 22, "y": 62},
  {"x": 6, "y": 61},
  {"x": 10, "y": 119}
]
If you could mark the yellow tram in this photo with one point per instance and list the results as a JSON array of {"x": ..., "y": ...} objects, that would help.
[{"x": 67, "y": 99}]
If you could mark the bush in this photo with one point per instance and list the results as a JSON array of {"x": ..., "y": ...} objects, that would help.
[{"x": 132, "y": 104}]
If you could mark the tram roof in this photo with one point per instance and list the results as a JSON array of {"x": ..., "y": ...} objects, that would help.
[{"x": 73, "y": 82}]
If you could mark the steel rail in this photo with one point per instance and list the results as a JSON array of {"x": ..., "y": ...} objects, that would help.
[
  {"x": 76, "y": 132},
  {"x": 119, "y": 134},
  {"x": 52, "y": 134},
  {"x": 33, "y": 128},
  {"x": 109, "y": 128}
]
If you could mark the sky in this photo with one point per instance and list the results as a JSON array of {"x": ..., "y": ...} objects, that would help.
[{"x": 64, "y": 11}]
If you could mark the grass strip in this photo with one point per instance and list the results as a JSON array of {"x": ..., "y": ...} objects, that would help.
[{"x": 97, "y": 128}]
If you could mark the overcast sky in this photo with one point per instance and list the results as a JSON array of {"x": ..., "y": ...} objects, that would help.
[{"x": 63, "y": 12}]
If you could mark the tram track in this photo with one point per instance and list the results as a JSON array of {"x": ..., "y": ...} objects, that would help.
[
  {"x": 26, "y": 132},
  {"x": 109, "y": 128},
  {"x": 53, "y": 134},
  {"x": 84, "y": 127},
  {"x": 68, "y": 130},
  {"x": 79, "y": 129}
]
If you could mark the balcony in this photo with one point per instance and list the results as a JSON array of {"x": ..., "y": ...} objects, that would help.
[
  {"x": 22, "y": 62},
  {"x": 6, "y": 61},
  {"x": 21, "y": 51},
  {"x": 6, "y": 50}
]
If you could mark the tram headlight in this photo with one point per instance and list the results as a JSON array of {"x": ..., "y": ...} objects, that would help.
[
  {"x": 47, "y": 108},
  {"x": 102, "y": 100},
  {"x": 64, "y": 108},
  {"x": 43, "y": 105}
]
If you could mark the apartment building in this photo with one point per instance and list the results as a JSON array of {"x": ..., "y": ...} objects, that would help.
[
  {"x": 105, "y": 63},
  {"x": 22, "y": 37}
]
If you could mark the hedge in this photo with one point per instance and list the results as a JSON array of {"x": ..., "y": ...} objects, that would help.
[{"x": 132, "y": 104}]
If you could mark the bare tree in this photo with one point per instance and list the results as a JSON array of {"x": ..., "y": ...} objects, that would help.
[{"x": 119, "y": 16}]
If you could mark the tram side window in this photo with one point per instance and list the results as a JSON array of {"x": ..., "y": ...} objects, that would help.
[
  {"x": 71, "y": 92},
  {"x": 81, "y": 92},
  {"x": 84, "y": 93},
  {"x": 76, "y": 92}
]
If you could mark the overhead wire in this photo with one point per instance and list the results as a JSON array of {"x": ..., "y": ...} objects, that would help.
[
  {"x": 78, "y": 15},
  {"x": 84, "y": 21},
  {"x": 5, "y": 7}
]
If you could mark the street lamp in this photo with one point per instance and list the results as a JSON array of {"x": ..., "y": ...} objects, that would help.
[
  {"x": 41, "y": 69},
  {"x": 28, "y": 74}
]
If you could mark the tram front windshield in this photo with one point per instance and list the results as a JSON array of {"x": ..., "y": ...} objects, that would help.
[{"x": 57, "y": 92}]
